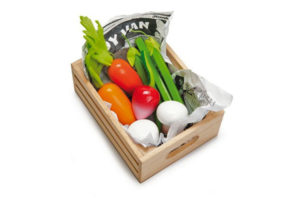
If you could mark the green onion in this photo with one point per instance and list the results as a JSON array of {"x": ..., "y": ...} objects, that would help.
[
  {"x": 140, "y": 70},
  {"x": 164, "y": 71},
  {"x": 141, "y": 44},
  {"x": 158, "y": 81},
  {"x": 149, "y": 65}
]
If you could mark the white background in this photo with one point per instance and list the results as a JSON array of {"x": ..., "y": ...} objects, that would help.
[{"x": 51, "y": 148}]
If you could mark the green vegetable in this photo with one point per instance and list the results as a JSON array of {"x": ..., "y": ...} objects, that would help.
[
  {"x": 94, "y": 69},
  {"x": 150, "y": 42},
  {"x": 97, "y": 55},
  {"x": 149, "y": 70},
  {"x": 164, "y": 71},
  {"x": 149, "y": 65},
  {"x": 152, "y": 45},
  {"x": 132, "y": 52},
  {"x": 147, "y": 61},
  {"x": 95, "y": 41},
  {"x": 140, "y": 70},
  {"x": 141, "y": 44},
  {"x": 133, "y": 57}
]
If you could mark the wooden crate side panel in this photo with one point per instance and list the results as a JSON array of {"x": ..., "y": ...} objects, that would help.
[
  {"x": 175, "y": 149},
  {"x": 209, "y": 120},
  {"x": 77, "y": 68},
  {"x": 176, "y": 61},
  {"x": 132, "y": 164},
  {"x": 131, "y": 147}
]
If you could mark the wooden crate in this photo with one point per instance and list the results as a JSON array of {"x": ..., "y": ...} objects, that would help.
[{"x": 144, "y": 162}]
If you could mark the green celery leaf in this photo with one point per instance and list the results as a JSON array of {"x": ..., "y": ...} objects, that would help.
[
  {"x": 103, "y": 57},
  {"x": 96, "y": 41},
  {"x": 94, "y": 69},
  {"x": 151, "y": 43},
  {"x": 90, "y": 29},
  {"x": 131, "y": 53},
  {"x": 101, "y": 40}
]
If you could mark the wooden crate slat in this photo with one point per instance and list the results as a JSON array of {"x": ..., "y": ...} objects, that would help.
[
  {"x": 107, "y": 129},
  {"x": 124, "y": 137},
  {"x": 156, "y": 162}
]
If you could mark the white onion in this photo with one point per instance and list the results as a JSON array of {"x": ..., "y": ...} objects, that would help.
[
  {"x": 171, "y": 111},
  {"x": 145, "y": 132}
]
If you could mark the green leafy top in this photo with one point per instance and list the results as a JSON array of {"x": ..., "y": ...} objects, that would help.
[
  {"x": 132, "y": 52},
  {"x": 152, "y": 44},
  {"x": 95, "y": 41},
  {"x": 97, "y": 55}
]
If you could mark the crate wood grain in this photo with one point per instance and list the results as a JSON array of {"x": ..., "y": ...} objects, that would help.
[{"x": 144, "y": 162}]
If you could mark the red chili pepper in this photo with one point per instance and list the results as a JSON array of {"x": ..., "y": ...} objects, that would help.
[
  {"x": 121, "y": 73},
  {"x": 145, "y": 99}
]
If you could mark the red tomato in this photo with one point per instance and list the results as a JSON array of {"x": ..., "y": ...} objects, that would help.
[{"x": 121, "y": 73}]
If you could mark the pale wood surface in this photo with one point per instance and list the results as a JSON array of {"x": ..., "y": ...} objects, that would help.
[
  {"x": 131, "y": 162},
  {"x": 144, "y": 162}
]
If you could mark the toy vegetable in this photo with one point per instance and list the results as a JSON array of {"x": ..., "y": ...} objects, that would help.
[
  {"x": 169, "y": 112},
  {"x": 134, "y": 58},
  {"x": 98, "y": 56},
  {"x": 145, "y": 132},
  {"x": 120, "y": 103},
  {"x": 147, "y": 61},
  {"x": 121, "y": 73},
  {"x": 144, "y": 101},
  {"x": 162, "y": 67},
  {"x": 150, "y": 49}
]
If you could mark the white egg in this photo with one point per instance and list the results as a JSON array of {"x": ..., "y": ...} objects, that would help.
[
  {"x": 145, "y": 132},
  {"x": 171, "y": 111}
]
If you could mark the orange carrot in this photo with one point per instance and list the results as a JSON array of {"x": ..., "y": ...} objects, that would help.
[{"x": 121, "y": 105}]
